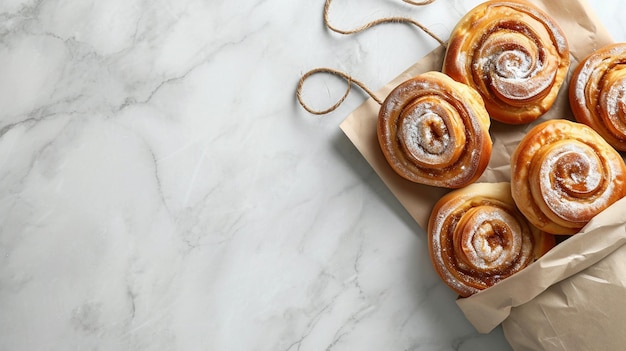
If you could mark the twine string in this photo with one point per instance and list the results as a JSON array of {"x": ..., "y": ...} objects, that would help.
[
  {"x": 345, "y": 76},
  {"x": 338, "y": 73},
  {"x": 419, "y": 3},
  {"x": 383, "y": 21}
]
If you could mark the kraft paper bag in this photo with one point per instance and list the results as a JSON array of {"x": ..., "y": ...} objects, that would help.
[{"x": 574, "y": 297}]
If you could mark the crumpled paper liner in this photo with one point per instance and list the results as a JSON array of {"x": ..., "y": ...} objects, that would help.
[
  {"x": 573, "y": 298},
  {"x": 570, "y": 299}
]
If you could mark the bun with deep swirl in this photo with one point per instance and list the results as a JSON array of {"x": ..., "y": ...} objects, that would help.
[
  {"x": 477, "y": 237},
  {"x": 435, "y": 131},
  {"x": 564, "y": 173},
  {"x": 598, "y": 93},
  {"x": 514, "y": 54}
]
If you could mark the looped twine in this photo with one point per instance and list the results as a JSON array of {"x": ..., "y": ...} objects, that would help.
[
  {"x": 384, "y": 20},
  {"x": 335, "y": 72},
  {"x": 347, "y": 77},
  {"x": 419, "y": 3}
]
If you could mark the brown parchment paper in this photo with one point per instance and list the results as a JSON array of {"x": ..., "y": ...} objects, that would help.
[
  {"x": 570, "y": 299},
  {"x": 573, "y": 298}
]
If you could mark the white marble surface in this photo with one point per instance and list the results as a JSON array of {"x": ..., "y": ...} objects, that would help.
[{"x": 160, "y": 188}]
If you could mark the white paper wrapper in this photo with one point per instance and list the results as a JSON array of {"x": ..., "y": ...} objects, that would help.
[{"x": 573, "y": 298}]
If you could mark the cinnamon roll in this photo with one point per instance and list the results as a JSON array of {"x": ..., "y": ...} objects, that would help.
[
  {"x": 477, "y": 237},
  {"x": 435, "y": 131},
  {"x": 514, "y": 54},
  {"x": 598, "y": 93},
  {"x": 564, "y": 173}
]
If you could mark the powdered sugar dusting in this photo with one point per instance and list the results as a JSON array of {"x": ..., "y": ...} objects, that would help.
[
  {"x": 426, "y": 136},
  {"x": 614, "y": 97},
  {"x": 518, "y": 59},
  {"x": 494, "y": 243},
  {"x": 517, "y": 73},
  {"x": 513, "y": 64},
  {"x": 582, "y": 82},
  {"x": 432, "y": 130},
  {"x": 599, "y": 93},
  {"x": 553, "y": 28},
  {"x": 614, "y": 102},
  {"x": 580, "y": 188},
  {"x": 480, "y": 252}
]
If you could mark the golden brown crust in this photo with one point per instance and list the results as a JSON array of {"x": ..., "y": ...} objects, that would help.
[
  {"x": 435, "y": 131},
  {"x": 564, "y": 173},
  {"x": 477, "y": 237},
  {"x": 597, "y": 93},
  {"x": 514, "y": 54}
]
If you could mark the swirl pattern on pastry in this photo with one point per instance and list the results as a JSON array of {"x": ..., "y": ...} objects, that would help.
[
  {"x": 435, "y": 131},
  {"x": 598, "y": 93},
  {"x": 514, "y": 54},
  {"x": 564, "y": 173},
  {"x": 477, "y": 237}
]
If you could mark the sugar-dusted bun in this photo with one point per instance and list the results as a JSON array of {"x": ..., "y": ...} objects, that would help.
[
  {"x": 563, "y": 174},
  {"x": 597, "y": 93},
  {"x": 435, "y": 131},
  {"x": 477, "y": 237},
  {"x": 514, "y": 54}
]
